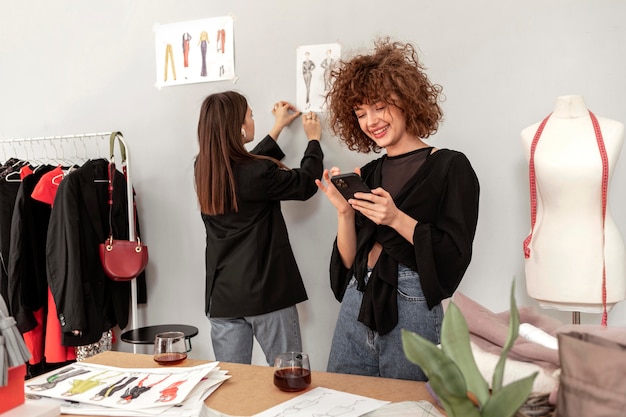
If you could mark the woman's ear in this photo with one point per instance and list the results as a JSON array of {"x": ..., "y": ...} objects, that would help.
[{"x": 243, "y": 132}]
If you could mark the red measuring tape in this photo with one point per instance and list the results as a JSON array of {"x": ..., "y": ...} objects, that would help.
[{"x": 605, "y": 185}]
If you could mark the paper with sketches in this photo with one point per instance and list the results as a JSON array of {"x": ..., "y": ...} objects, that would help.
[
  {"x": 195, "y": 51},
  {"x": 314, "y": 64},
  {"x": 324, "y": 402},
  {"x": 146, "y": 390}
]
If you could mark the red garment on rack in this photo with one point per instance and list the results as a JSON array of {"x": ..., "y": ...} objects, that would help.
[{"x": 54, "y": 351}]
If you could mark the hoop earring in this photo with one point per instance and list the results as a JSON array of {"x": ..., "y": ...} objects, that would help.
[{"x": 243, "y": 132}]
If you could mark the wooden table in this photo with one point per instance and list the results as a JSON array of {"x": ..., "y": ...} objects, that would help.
[{"x": 250, "y": 389}]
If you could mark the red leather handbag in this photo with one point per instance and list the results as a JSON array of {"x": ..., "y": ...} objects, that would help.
[{"x": 122, "y": 260}]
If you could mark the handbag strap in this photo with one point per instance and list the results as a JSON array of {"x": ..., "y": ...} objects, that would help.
[
  {"x": 111, "y": 175},
  {"x": 117, "y": 135}
]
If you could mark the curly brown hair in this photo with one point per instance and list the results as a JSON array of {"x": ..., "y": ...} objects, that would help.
[{"x": 392, "y": 74}]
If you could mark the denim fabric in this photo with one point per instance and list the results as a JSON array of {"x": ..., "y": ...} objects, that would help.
[
  {"x": 276, "y": 332},
  {"x": 356, "y": 349}
]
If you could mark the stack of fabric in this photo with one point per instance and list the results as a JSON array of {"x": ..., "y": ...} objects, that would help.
[{"x": 13, "y": 351}]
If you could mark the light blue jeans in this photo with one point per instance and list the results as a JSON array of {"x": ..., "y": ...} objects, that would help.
[
  {"x": 276, "y": 332},
  {"x": 356, "y": 349}
]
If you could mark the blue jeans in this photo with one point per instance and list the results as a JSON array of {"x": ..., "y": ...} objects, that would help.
[
  {"x": 356, "y": 349},
  {"x": 276, "y": 332}
]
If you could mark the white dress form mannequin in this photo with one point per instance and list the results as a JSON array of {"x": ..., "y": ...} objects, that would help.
[{"x": 564, "y": 270}]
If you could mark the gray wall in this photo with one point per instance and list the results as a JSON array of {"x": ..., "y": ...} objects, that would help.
[{"x": 70, "y": 66}]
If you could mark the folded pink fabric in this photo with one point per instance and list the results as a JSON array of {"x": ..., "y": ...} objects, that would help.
[{"x": 489, "y": 331}]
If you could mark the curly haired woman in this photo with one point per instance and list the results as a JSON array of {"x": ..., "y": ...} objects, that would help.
[{"x": 403, "y": 248}]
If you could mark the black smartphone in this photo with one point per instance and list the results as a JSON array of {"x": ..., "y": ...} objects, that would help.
[{"x": 350, "y": 183}]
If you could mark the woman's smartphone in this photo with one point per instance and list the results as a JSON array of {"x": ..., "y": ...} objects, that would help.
[{"x": 350, "y": 183}]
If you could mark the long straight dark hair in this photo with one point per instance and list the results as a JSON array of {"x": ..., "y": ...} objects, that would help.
[{"x": 219, "y": 136}]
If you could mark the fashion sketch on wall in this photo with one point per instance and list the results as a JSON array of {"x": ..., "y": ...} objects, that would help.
[
  {"x": 194, "y": 51},
  {"x": 313, "y": 66}
]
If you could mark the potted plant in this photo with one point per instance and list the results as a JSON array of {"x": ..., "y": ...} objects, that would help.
[{"x": 454, "y": 376}]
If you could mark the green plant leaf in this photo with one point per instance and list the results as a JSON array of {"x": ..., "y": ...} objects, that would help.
[
  {"x": 509, "y": 399},
  {"x": 498, "y": 374},
  {"x": 455, "y": 342},
  {"x": 434, "y": 363},
  {"x": 455, "y": 406},
  {"x": 444, "y": 376}
]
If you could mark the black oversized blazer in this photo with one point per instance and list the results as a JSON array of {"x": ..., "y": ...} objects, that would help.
[
  {"x": 86, "y": 299},
  {"x": 250, "y": 265}
]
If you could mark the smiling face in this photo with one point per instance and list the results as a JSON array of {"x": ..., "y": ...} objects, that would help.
[{"x": 385, "y": 124}]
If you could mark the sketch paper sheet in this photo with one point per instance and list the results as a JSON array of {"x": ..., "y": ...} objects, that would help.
[
  {"x": 144, "y": 390},
  {"x": 324, "y": 402},
  {"x": 195, "y": 51},
  {"x": 313, "y": 67}
]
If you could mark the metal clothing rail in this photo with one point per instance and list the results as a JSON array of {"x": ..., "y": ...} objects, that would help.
[{"x": 129, "y": 193}]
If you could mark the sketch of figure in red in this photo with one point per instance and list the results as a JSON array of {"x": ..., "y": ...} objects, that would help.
[
  {"x": 221, "y": 41},
  {"x": 169, "y": 393},
  {"x": 186, "y": 39},
  {"x": 134, "y": 392},
  {"x": 203, "y": 42}
]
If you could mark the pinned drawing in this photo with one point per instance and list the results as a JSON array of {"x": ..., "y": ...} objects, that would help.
[
  {"x": 314, "y": 67},
  {"x": 194, "y": 51}
]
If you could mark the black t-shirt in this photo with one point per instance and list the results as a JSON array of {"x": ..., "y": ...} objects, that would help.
[{"x": 397, "y": 170}]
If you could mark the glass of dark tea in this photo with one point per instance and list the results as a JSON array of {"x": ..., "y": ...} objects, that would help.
[
  {"x": 170, "y": 348},
  {"x": 292, "y": 371}
]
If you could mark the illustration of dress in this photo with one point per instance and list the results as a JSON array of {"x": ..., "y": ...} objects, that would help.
[
  {"x": 221, "y": 41},
  {"x": 169, "y": 393},
  {"x": 204, "y": 41},
  {"x": 186, "y": 39}
]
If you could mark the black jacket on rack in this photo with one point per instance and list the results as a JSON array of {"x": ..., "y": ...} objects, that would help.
[
  {"x": 28, "y": 286},
  {"x": 86, "y": 299},
  {"x": 8, "y": 194}
]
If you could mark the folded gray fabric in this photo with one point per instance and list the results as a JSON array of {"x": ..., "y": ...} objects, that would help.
[{"x": 13, "y": 350}]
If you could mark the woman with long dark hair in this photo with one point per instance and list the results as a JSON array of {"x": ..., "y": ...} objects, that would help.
[{"x": 252, "y": 280}]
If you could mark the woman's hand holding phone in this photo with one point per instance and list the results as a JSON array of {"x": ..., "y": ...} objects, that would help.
[{"x": 349, "y": 184}]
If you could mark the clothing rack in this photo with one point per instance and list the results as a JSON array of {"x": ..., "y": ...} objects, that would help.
[{"x": 52, "y": 140}]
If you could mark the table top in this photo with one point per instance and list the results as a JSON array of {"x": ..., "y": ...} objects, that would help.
[
  {"x": 146, "y": 335},
  {"x": 250, "y": 389}
]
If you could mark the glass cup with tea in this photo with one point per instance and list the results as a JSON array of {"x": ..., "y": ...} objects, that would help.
[
  {"x": 170, "y": 348},
  {"x": 292, "y": 371}
]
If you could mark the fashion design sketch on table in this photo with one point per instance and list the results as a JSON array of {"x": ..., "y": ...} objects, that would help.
[
  {"x": 123, "y": 388},
  {"x": 195, "y": 51},
  {"x": 314, "y": 66},
  {"x": 575, "y": 257}
]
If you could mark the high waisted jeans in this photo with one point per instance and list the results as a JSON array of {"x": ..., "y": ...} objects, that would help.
[
  {"x": 356, "y": 349},
  {"x": 276, "y": 332}
]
